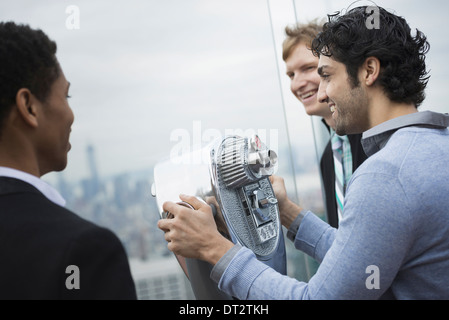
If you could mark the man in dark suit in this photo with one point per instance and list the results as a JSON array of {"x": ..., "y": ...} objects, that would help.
[
  {"x": 47, "y": 252},
  {"x": 301, "y": 68}
]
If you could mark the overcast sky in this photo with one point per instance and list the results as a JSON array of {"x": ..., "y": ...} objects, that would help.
[{"x": 141, "y": 69}]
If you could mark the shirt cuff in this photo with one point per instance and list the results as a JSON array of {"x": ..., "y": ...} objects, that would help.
[
  {"x": 223, "y": 263},
  {"x": 293, "y": 230}
]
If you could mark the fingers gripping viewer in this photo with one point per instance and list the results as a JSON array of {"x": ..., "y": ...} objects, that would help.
[{"x": 193, "y": 233}]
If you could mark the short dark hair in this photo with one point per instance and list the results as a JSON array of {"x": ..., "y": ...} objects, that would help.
[
  {"x": 347, "y": 39},
  {"x": 27, "y": 60}
]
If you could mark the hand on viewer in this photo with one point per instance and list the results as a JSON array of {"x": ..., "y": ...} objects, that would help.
[
  {"x": 193, "y": 233},
  {"x": 288, "y": 210}
]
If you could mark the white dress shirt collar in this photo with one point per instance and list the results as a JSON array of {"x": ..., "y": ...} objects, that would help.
[{"x": 48, "y": 191}]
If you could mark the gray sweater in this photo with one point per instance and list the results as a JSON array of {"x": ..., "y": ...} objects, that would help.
[{"x": 393, "y": 240}]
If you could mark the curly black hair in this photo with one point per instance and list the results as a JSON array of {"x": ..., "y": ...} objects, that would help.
[
  {"x": 350, "y": 39},
  {"x": 27, "y": 60}
]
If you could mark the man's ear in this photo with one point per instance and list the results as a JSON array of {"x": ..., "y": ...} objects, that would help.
[
  {"x": 26, "y": 104},
  {"x": 371, "y": 70}
]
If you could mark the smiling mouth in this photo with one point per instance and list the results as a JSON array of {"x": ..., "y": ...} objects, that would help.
[
  {"x": 332, "y": 107},
  {"x": 308, "y": 94}
]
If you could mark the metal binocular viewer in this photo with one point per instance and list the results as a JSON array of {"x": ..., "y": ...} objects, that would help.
[{"x": 232, "y": 176}]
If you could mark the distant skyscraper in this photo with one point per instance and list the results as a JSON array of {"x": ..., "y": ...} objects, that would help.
[
  {"x": 92, "y": 162},
  {"x": 93, "y": 181},
  {"x": 63, "y": 187}
]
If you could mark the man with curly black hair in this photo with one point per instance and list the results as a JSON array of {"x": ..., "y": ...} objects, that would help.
[
  {"x": 301, "y": 68},
  {"x": 393, "y": 240},
  {"x": 47, "y": 251}
]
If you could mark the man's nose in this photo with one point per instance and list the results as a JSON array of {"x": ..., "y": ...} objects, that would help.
[{"x": 322, "y": 95}]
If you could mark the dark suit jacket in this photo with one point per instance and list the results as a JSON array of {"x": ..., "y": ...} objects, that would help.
[
  {"x": 328, "y": 174},
  {"x": 39, "y": 240}
]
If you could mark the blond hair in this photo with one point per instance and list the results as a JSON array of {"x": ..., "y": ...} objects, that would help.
[{"x": 300, "y": 33}]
